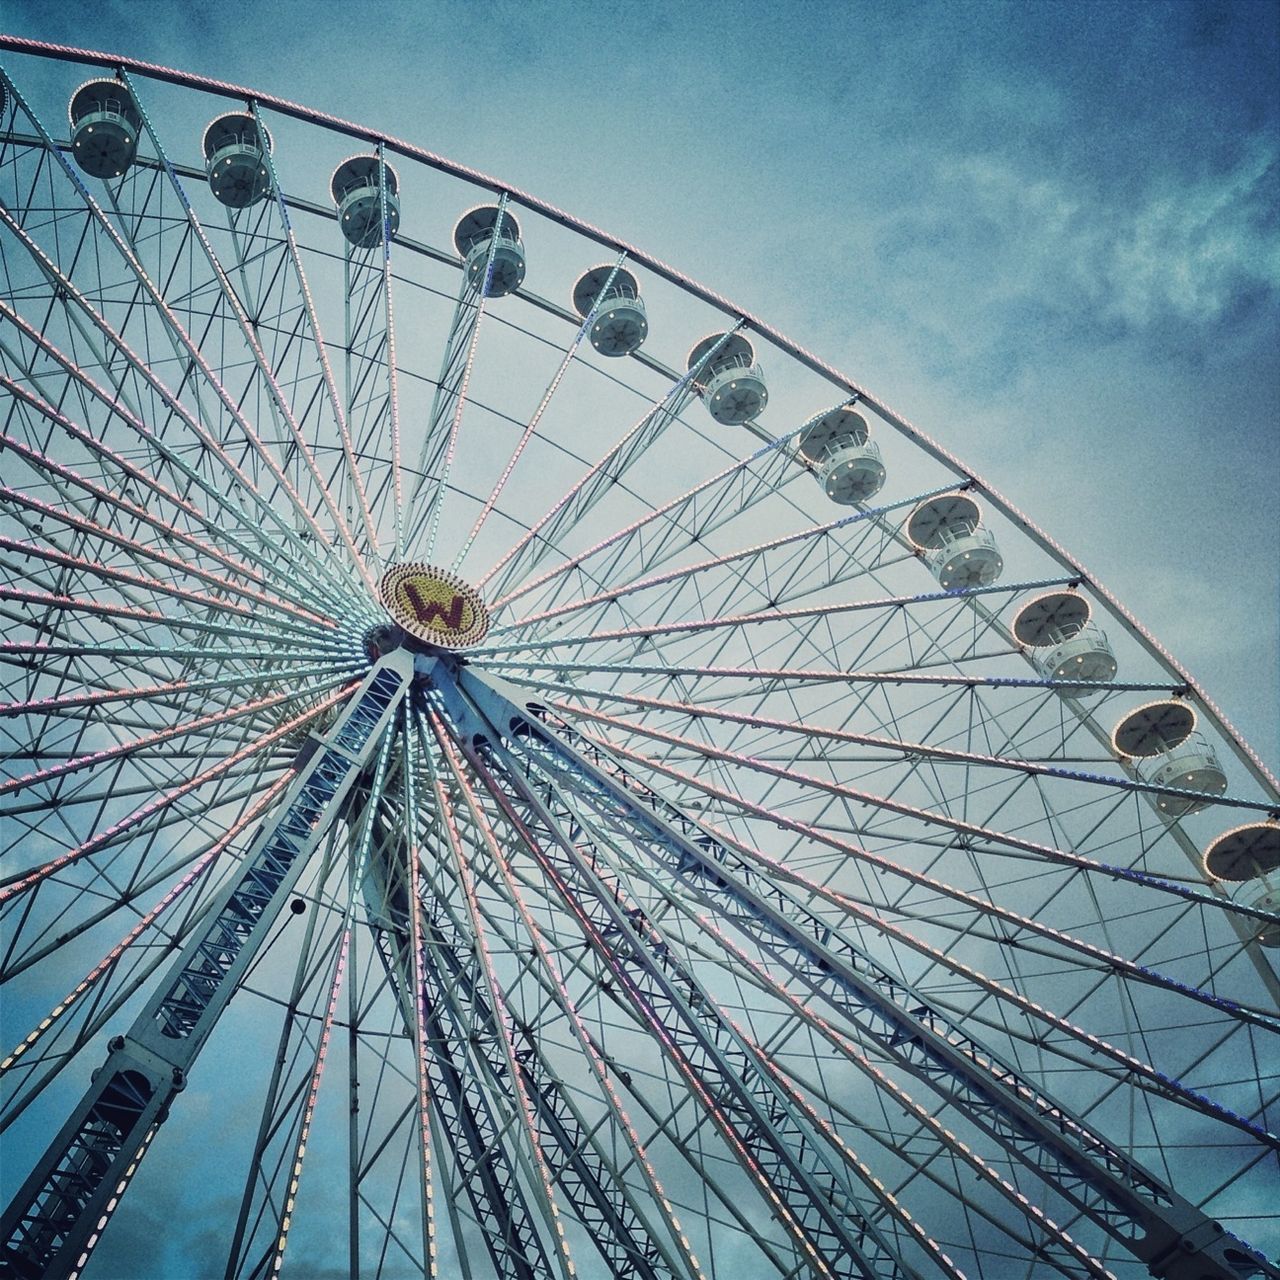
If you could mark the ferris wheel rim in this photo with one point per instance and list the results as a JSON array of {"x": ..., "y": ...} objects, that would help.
[
  {"x": 54, "y": 51},
  {"x": 1248, "y": 756}
]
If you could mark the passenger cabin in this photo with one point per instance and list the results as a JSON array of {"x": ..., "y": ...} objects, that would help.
[
  {"x": 356, "y": 187},
  {"x": 1066, "y": 645},
  {"x": 478, "y": 231},
  {"x": 726, "y": 376},
  {"x": 845, "y": 459},
  {"x": 1168, "y": 750},
  {"x": 1251, "y": 855},
  {"x": 957, "y": 547},
  {"x": 105, "y": 126},
  {"x": 619, "y": 325},
  {"x": 235, "y": 158}
]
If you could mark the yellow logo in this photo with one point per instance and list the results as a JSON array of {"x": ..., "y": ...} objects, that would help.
[{"x": 432, "y": 605}]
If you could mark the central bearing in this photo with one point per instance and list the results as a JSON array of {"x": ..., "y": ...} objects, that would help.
[{"x": 434, "y": 606}]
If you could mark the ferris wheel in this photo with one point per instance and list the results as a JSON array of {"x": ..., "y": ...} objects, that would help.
[{"x": 516, "y": 768}]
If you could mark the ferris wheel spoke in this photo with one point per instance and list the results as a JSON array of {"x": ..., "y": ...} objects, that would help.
[
  {"x": 13, "y": 887},
  {"x": 353, "y": 476},
  {"x": 809, "y": 633},
  {"x": 146, "y": 584},
  {"x": 277, "y": 399},
  {"x": 372, "y": 406},
  {"x": 657, "y": 630},
  {"x": 393, "y": 364},
  {"x": 446, "y": 403},
  {"x": 266, "y": 509},
  {"x": 289, "y": 1167},
  {"x": 599, "y": 1196},
  {"x": 1107, "y": 963},
  {"x": 440, "y": 439},
  {"x": 1048, "y": 853},
  {"x": 384, "y": 1140},
  {"x": 751, "y": 563},
  {"x": 1079, "y": 1048},
  {"x": 1114, "y": 1200},
  {"x": 702, "y": 1046},
  {"x": 251, "y": 576},
  {"x": 19, "y": 653},
  {"x": 887, "y": 1213},
  {"x": 191, "y": 352},
  {"x": 532, "y": 426},
  {"x": 104, "y": 989},
  {"x": 1105, "y": 960},
  {"x": 596, "y": 1051},
  {"x": 118, "y": 616},
  {"x": 144, "y": 743},
  {"x": 739, "y": 1217},
  {"x": 1037, "y": 1234},
  {"x": 130, "y": 473},
  {"x": 707, "y": 710},
  {"x": 83, "y": 530},
  {"x": 408, "y": 817},
  {"x": 561, "y": 1154},
  {"x": 462, "y": 1110},
  {"x": 74, "y": 703},
  {"x": 123, "y": 870},
  {"x": 583, "y": 496},
  {"x": 812, "y": 675},
  {"x": 156, "y": 870},
  {"x": 724, "y": 496}
]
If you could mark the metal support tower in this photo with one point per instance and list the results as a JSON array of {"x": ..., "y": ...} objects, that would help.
[
  {"x": 1147, "y": 1217},
  {"x": 55, "y": 1220}
]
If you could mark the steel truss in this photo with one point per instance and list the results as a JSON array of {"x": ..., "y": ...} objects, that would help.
[
  {"x": 743, "y": 904},
  {"x": 1128, "y": 1202}
]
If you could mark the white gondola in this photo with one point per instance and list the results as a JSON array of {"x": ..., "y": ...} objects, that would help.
[
  {"x": 846, "y": 460},
  {"x": 620, "y": 324},
  {"x": 959, "y": 549},
  {"x": 730, "y": 383},
  {"x": 105, "y": 124},
  {"x": 1168, "y": 750},
  {"x": 1250, "y": 854},
  {"x": 355, "y": 187},
  {"x": 476, "y": 231},
  {"x": 1068, "y": 647},
  {"x": 235, "y": 158}
]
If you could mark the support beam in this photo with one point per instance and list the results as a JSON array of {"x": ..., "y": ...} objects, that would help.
[
  {"x": 57, "y": 1216},
  {"x": 1132, "y": 1205}
]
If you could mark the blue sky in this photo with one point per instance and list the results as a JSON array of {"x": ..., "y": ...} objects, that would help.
[{"x": 1046, "y": 233}]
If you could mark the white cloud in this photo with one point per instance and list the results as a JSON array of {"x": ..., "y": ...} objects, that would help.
[{"x": 1183, "y": 251}]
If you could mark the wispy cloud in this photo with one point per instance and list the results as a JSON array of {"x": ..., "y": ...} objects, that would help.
[
  {"x": 994, "y": 260},
  {"x": 1187, "y": 252}
]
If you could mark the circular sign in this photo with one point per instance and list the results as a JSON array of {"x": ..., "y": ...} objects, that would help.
[{"x": 433, "y": 605}]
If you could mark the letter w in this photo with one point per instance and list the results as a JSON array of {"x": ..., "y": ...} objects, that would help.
[{"x": 427, "y": 611}]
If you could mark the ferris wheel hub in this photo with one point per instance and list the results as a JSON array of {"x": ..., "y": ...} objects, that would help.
[{"x": 434, "y": 606}]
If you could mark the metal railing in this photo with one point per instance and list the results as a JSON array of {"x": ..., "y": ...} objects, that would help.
[
  {"x": 249, "y": 140},
  {"x": 843, "y": 450},
  {"x": 117, "y": 108},
  {"x": 479, "y": 243}
]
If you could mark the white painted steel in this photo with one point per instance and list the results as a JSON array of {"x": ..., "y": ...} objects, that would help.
[{"x": 195, "y": 506}]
